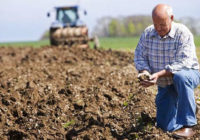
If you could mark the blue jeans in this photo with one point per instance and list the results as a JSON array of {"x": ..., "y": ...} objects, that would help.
[{"x": 175, "y": 103}]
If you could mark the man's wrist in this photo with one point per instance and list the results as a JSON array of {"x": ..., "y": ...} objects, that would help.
[{"x": 163, "y": 73}]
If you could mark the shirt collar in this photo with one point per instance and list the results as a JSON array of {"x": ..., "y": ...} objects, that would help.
[
  {"x": 170, "y": 34},
  {"x": 172, "y": 31}
]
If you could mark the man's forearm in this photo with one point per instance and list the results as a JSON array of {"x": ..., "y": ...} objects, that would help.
[{"x": 164, "y": 73}]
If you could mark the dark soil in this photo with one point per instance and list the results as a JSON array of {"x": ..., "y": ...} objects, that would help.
[{"x": 72, "y": 93}]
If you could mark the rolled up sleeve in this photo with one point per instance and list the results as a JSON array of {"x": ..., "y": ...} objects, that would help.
[{"x": 185, "y": 57}]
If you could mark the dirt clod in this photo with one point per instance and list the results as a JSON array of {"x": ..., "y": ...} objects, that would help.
[{"x": 144, "y": 77}]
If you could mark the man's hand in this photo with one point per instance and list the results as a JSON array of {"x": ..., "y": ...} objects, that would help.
[
  {"x": 145, "y": 75},
  {"x": 146, "y": 79},
  {"x": 152, "y": 78}
]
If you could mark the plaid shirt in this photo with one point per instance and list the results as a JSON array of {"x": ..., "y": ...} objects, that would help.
[{"x": 173, "y": 52}]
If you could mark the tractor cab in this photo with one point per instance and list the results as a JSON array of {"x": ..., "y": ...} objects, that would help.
[{"x": 68, "y": 16}]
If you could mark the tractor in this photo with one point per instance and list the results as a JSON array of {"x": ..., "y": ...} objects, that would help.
[{"x": 68, "y": 29}]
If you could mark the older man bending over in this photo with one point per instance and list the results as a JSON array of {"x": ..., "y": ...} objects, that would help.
[{"x": 166, "y": 53}]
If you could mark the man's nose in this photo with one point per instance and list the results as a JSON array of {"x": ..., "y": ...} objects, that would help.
[{"x": 158, "y": 28}]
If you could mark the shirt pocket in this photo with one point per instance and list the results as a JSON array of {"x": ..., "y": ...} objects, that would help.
[{"x": 170, "y": 55}]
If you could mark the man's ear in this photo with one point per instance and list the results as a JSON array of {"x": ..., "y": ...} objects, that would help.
[{"x": 172, "y": 17}]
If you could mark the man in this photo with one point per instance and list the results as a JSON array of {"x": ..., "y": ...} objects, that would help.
[{"x": 166, "y": 53}]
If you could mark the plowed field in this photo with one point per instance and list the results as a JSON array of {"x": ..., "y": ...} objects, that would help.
[{"x": 72, "y": 93}]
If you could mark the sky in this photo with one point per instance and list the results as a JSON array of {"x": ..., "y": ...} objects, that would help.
[{"x": 26, "y": 20}]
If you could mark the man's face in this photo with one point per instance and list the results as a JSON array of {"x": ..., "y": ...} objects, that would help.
[{"x": 162, "y": 25}]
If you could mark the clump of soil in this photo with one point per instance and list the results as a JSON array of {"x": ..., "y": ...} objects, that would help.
[
  {"x": 73, "y": 93},
  {"x": 144, "y": 77}
]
